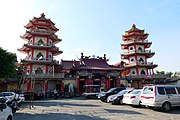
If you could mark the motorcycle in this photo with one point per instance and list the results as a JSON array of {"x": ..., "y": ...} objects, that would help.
[{"x": 12, "y": 104}]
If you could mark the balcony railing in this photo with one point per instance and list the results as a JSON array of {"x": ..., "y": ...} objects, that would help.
[
  {"x": 147, "y": 76},
  {"x": 50, "y": 75},
  {"x": 137, "y": 51},
  {"x": 84, "y": 74},
  {"x": 141, "y": 63},
  {"x": 132, "y": 41},
  {"x": 42, "y": 45},
  {"x": 40, "y": 60},
  {"x": 40, "y": 31}
]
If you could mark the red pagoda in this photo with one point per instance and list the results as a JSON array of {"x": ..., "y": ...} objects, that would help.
[
  {"x": 39, "y": 64},
  {"x": 136, "y": 53}
]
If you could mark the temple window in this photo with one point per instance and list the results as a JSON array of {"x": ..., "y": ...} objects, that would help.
[
  {"x": 50, "y": 42},
  {"x": 141, "y": 61},
  {"x": 39, "y": 70},
  {"x": 143, "y": 72},
  {"x": 133, "y": 73},
  {"x": 132, "y": 60},
  {"x": 131, "y": 48},
  {"x": 39, "y": 56},
  {"x": 40, "y": 42},
  {"x": 140, "y": 49}
]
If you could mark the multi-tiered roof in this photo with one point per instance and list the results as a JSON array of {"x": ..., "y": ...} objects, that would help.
[
  {"x": 135, "y": 50},
  {"x": 41, "y": 38}
]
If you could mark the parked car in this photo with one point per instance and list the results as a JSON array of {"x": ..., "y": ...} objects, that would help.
[
  {"x": 118, "y": 98},
  {"x": 161, "y": 96},
  {"x": 5, "y": 112},
  {"x": 112, "y": 91},
  {"x": 91, "y": 91},
  {"x": 132, "y": 98},
  {"x": 21, "y": 97},
  {"x": 9, "y": 95}
]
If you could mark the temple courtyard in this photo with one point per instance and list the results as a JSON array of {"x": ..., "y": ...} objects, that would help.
[{"x": 82, "y": 109}]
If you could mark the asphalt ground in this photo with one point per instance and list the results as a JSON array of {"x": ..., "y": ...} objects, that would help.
[{"x": 85, "y": 109}]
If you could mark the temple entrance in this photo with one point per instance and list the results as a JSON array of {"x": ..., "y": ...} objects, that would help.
[
  {"x": 81, "y": 84},
  {"x": 58, "y": 87},
  {"x": 97, "y": 82},
  {"x": 112, "y": 83}
]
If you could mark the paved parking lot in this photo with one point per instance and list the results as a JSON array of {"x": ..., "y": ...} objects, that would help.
[{"x": 82, "y": 109}]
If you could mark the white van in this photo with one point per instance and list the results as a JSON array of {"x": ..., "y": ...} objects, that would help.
[{"x": 160, "y": 96}]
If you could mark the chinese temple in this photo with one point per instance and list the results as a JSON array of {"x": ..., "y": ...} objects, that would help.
[
  {"x": 39, "y": 65},
  {"x": 136, "y": 47},
  {"x": 92, "y": 71}
]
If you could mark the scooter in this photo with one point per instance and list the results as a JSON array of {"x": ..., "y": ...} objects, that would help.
[{"x": 12, "y": 104}]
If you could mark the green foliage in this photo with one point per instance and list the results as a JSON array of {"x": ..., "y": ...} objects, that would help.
[
  {"x": 7, "y": 64},
  {"x": 160, "y": 72}
]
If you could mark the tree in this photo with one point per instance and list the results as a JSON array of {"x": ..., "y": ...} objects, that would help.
[
  {"x": 7, "y": 64},
  {"x": 160, "y": 72}
]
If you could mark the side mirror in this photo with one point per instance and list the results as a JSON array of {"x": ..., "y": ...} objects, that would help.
[{"x": 2, "y": 106}]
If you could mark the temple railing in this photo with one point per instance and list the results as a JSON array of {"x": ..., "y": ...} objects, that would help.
[
  {"x": 153, "y": 76},
  {"x": 50, "y": 75}
]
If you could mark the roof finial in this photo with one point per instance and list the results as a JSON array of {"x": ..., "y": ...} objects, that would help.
[
  {"x": 133, "y": 25},
  {"x": 42, "y": 15}
]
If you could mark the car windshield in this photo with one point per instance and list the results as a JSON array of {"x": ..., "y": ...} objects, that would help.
[
  {"x": 135, "y": 92},
  {"x": 122, "y": 92},
  {"x": 110, "y": 90},
  {"x": 1, "y": 95}
]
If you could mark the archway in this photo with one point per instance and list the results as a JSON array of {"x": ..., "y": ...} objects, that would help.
[
  {"x": 141, "y": 60},
  {"x": 39, "y": 56},
  {"x": 40, "y": 42},
  {"x": 143, "y": 72}
]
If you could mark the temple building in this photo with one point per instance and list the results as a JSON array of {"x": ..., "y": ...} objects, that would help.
[
  {"x": 92, "y": 71},
  {"x": 136, "y": 47},
  {"x": 39, "y": 65}
]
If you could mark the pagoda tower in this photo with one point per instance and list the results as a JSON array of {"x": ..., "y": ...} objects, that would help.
[
  {"x": 136, "y": 54},
  {"x": 40, "y": 49}
]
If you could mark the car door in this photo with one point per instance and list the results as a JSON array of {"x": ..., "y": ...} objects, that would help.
[
  {"x": 2, "y": 113},
  {"x": 178, "y": 90},
  {"x": 172, "y": 95}
]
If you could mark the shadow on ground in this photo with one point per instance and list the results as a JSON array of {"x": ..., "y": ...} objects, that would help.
[
  {"x": 122, "y": 111},
  {"x": 54, "y": 116},
  {"x": 70, "y": 103}
]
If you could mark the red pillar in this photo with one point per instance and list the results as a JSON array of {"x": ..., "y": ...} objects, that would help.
[
  {"x": 62, "y": 86},
  {"x": 119, "y": 82},
  {"x": 28, "y": 86},
  {"x": 109, "y": 86},
  {"x": 138, "y": 84}
]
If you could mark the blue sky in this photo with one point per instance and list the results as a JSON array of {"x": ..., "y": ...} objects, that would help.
[{"x": 95, "y": 27}]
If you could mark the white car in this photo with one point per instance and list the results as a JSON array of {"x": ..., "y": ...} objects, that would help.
[
  {"x": 113, "y": 97},
  {"x": 5, "y": 112},
  {"x": 161, "y": 96},
  {"x": 132, "y": 98},
  {"x": 9, "y": 95}
]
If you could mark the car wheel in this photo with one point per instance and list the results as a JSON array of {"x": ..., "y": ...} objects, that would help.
[
  {"x": 9, "y": 117},
  {"x": 166, "y": 106},
  {"x": 120, "y": 102}
]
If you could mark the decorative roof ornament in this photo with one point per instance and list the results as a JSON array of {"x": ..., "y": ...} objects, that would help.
[
  {"x": 42, "y": 15},
  {"x": 133, "y": 25}
]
